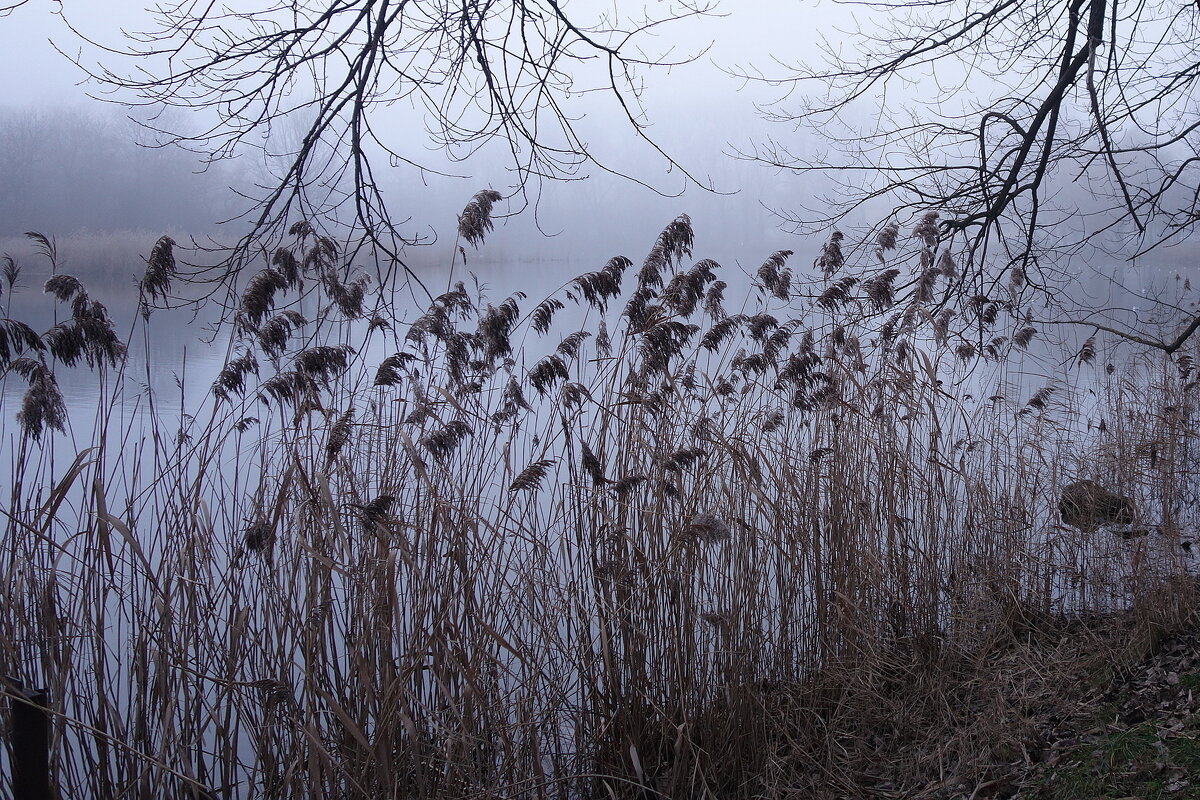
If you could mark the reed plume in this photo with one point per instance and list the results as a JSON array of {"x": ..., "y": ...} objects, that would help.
[
  {"x": 672, "y": 246},
  {"x": 476, "y": 219},
  {"x": 43, "y": 405},
  {"x": 532, "y": 476},
  {"x": 160, "y": 268},
  {"x": 15, "y": 338},
  {"x": 259, "y": 297},
  {"x": 832, "y": 259},
  {"x": 232, "y": 377},
  {"x": 774, "y": 275}
]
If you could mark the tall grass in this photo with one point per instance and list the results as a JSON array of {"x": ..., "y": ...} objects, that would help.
[{"x": 664, "y": 551}]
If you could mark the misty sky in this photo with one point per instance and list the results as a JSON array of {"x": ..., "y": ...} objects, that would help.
[
  {"x": 741, "y": 32},
  {"x": 697, "y": 111}
]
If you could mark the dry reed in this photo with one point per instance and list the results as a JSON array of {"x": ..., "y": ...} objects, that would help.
[{"x": 717, "y": 556}]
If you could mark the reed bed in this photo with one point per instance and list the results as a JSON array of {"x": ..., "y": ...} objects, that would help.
[{"x": 667, "y": 551}]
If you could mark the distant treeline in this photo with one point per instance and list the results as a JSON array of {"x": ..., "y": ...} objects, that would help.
[{"x": 67, "y": 168}]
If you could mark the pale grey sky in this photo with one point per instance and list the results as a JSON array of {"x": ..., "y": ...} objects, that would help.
[
  {"x": 741, "y": 32},
  {"x": 695, "y": 110}
]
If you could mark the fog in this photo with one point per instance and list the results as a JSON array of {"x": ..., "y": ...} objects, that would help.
[
  {"x": 77, "y": 167},
  {"x": 89, "y": 171},
  {"x": 73, "y": 162}
]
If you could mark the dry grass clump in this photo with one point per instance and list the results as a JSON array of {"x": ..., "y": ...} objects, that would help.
[
  {"x": 670, "y": 552},
  {"x": 1088, "y": 506},
  {"x": 976, "y": 722}
]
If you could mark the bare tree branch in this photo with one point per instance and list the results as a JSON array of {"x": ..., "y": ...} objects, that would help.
[
  {"x": 481, "y": 78},
  {"x": 1068, "y": 115}
]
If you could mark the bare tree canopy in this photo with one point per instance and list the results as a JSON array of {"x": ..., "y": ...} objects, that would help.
[
  {"x": 348, "y": 80},
  {"x": 1036, "y": 130}
]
